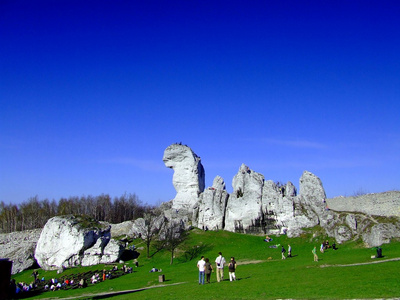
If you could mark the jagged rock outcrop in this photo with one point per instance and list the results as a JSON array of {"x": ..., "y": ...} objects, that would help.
[
  {"x": 209, "y": 214},
  {"x": 259, "y": 206},
  {"x": 19, "y": 247},
  {"x": 244, "y": 207},
  {"x": 188, "y": 178},
  {"x": 68, "y": 241}
]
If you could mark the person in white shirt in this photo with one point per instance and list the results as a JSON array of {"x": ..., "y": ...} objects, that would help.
[
  {"x": 201, "y": 265},
  {"x": 220, "y": 261}
]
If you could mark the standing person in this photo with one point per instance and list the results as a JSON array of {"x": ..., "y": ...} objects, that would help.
[
  {"x": 232, "y": 269},
  {"x": 314, "y": 251},
  {"x": 321, "y": 248},
  {"x": 283, "y": 252},
  {"x": 208, "y": 270},
  {"x": 289, "y": 251},
  {"x": 220, "y": 261},
  {"x": 201, "y": 265}
]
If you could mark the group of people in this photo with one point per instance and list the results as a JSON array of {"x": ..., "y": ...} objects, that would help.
[{"x": 206, "y": 268}]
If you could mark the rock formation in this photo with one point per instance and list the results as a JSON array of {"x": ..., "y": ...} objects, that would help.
[
  {"x": 69, "y": 241},
  {"x": 210, "y": 211},
  {"x": 260, "y": 206},
  {"x": 188, "y": 178},
  {"x": 19, "y": 247},
  {"x": 244, "y": 207}
]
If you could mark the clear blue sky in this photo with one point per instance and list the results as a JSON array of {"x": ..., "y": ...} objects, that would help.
[{"x": 92, "y": 92}]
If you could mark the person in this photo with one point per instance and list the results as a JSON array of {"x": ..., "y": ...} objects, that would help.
[
  {"x": 12, "y": 289},
  {"x": 208, "y": 270},
  {"x": 283, "y": 252},
  {"x": 289, "y": 252},
  {"x": 321, "y": 248},
  {"x": 327, "y": 244},
  {"x": 201, "y": 265},
  {"x": 104, "y": 275},
  {"x": 314, "y": 251},
  {"x": 334, "y": 246},
  {"x": 153, "y": 270},
  {"x": 220, "y": 261},
  {"x": 232, "y": 269},
  {"x": 267, "y": 239}
]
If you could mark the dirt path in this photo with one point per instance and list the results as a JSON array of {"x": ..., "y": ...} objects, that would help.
[
  {"x": 359, "y": 264},
  {"x": 110, "y": 294}
]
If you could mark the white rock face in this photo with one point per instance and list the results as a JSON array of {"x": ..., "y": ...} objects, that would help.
[
  {"x": 258, "y": 206},
  {"x": 188, "y": 178},
  {"x": 385, "y": 204},
  {"x": 19, "y": 247},
  {"x": 211, "y": 207},
  {"x": 244, "y": 207},
  {"x": 68, "y": 241}
]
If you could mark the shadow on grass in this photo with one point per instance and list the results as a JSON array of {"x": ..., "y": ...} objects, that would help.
[{"x": 195, "y": 252}]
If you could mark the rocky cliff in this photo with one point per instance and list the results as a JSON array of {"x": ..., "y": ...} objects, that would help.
[{"x": 262, "y": 206}]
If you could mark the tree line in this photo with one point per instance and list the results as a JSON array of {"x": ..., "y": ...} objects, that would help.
[{"x": 34, "y": 213}]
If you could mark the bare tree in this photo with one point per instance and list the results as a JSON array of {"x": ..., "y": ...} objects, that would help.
[
  {"x": 153, "y": 223},
  {"x": 173, "y": 235}
]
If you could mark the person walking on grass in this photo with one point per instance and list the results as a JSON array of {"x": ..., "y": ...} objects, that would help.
[
  {"x": 201, "y": 265},
  {"x": 208, "y": 270},
  {"x": 232, "y": 269},
  {"x": 220, "y": 261},
  {"x": 289, "y": 251},
  {"x": 314, "y": 251},
  {"x": 283, "y": 252}
]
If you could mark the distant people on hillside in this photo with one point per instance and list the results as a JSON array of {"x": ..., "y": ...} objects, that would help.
[
  {"x": 321, "y": 248},
  {"x": 267, "y": 239},
  {"x": 220, "y": 261},
  {"x": 326, "y": 245},
  {"x": 155, "y": 270},
  {"x": 289, "y": 252},
  {"x": 314, "y": 252}
]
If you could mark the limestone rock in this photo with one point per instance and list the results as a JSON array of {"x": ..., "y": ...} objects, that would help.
[
  {"x": 244, "y": 207},
  {"x": 385, "y": 204},
  {"x": 188, "y": 178},
  {"x": 211, "y": 207},
  {"x": 66, "y": 241},
  {"x": 126, "y": 228},
  {"x": 381, "y": 234},
  {"x": 19, "y": 247}
]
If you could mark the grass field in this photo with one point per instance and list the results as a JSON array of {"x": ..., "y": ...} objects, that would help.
[{"x": 346, "y": 273}]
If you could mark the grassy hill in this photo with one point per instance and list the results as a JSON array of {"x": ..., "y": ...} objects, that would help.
[{"x": 348, "y": 272}]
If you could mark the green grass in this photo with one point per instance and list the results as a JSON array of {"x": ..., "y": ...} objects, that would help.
[{"x": 298, "y": 277}]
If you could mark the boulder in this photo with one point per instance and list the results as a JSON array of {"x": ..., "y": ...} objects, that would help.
[
  {"x": 380, "y": 234},
  {"x": 68, "y": 241},
  {"x": 126, "y": 229},
  {"x": 188, "y": 178},
  {"x": 19, "y": 247}
]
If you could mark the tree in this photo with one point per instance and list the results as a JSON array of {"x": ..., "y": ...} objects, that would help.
[
  {"x": 174, "y": 234},
  {"x": 153, "y": 223}
]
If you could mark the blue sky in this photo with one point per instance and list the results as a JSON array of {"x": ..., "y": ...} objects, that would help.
[{"x": 92, "y": 92}]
